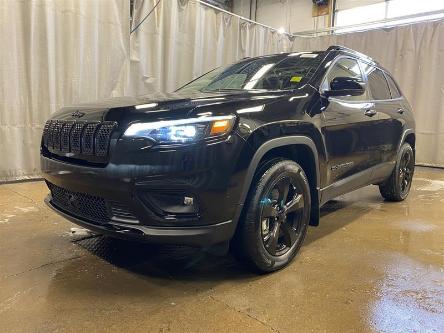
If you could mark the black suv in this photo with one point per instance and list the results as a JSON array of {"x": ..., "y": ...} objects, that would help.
[{"x": 247, "y": 153}]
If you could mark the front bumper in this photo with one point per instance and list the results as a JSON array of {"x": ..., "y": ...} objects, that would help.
[
  {"x": 144, "y": 193},
  {"x": 194, "y": 236},
  {"x": 216, "y": 203}
]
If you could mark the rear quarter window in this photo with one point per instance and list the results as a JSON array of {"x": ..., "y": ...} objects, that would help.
[{"x": 396, "y": 93}]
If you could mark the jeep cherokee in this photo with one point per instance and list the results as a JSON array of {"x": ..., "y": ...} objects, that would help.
[{"x": 247, "y": 153}]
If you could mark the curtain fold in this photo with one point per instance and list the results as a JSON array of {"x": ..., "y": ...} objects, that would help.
[{"x": 184, "y": 39}]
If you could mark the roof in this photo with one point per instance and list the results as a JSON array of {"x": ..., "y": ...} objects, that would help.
[
  {"x": 348, "y": 50},
  {"x": 337, "y": 48},
  {"x": 281, "y": 55},
  {"x": 331, "y": 48}
]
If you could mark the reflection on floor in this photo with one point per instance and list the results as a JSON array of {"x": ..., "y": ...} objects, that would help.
[{"x": 370, "y": 266}]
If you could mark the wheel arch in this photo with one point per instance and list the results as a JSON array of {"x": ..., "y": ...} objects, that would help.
[
  {"x": 300, "y": 149},
  {"x": 411, "y": 139}
]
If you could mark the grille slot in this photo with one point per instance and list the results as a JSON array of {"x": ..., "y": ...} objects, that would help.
[
  {"x": 80, "y": 139},
  {"x": 88, "y": 138},
  {"x": 75, "y": 137},
  {"x": 46, "y": 133},
  {"x": 49, "y": 134},
  {"x": 81, "y": 205},
  {"x": 102, "y": 141},
  {"x": 64, "y": 136},
  {"x": 56, "y": 135}
]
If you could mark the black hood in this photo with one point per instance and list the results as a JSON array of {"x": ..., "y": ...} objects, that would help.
[{"x": 176, "y": 105}]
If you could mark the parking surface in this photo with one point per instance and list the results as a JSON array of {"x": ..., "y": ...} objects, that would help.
[{"x": 370, "y": 266}]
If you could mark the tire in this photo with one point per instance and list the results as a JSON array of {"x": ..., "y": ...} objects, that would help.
[
  {"x": 275, "y": 219},
  {"x": 397, "y": 186}
]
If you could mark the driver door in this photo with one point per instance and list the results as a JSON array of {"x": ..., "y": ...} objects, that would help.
[{"x": 348, "y": 126}]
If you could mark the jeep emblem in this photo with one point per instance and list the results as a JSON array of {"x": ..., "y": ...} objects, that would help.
[{"x": 77, "y": 114}]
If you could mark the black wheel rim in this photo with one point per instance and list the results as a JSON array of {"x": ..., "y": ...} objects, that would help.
[
  {"x": 406, "y": 172},
  {"x": 281, "y": 216}
]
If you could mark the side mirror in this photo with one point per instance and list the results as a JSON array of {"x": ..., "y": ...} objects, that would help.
[{"x": 345, "y": 86}]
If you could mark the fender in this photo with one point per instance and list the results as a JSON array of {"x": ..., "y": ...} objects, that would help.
[{"x": 261, "y": 151}]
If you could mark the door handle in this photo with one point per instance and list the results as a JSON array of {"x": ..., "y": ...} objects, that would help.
[
  {"x": 400, "y": 111},
  {"x": 370, "y": 112}
]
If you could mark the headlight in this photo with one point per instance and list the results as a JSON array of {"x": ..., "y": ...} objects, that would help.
[{"x": 183, "y": 130}]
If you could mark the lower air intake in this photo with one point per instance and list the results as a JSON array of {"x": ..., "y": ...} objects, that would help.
[{"x": 80, "y": 205}]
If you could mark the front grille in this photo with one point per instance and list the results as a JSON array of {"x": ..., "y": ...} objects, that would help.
[
  {"x": 78, "y": 139},
  {"x": 80, "y": 205}
]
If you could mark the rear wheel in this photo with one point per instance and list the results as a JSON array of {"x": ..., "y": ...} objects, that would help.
[
  {"x": 397, "y": 187},
  {"x": 277, "y": 216}
]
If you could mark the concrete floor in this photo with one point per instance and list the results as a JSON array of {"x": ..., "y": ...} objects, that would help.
[{"x": 371, "y": 266}]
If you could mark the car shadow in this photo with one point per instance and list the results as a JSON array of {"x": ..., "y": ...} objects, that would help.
[
  {"x": 177, "y": 262},
  {"x": 188, "y": 263}
]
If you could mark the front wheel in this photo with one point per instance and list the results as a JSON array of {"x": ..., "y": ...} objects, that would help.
[
  {"x": 277, "y": 216},
  {"x": 397, "y": 187}
]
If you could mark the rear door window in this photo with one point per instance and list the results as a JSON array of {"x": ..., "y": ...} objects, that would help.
[{"x": 378, "y": 84}]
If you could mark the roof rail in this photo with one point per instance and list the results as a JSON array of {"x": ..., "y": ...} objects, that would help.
[{"x": 346, "y": 49}]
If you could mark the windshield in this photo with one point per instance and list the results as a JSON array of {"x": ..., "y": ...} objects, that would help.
[{"x": 281, "y": 72}]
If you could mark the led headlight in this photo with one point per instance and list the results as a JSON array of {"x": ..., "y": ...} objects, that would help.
[{"x": 182, "y": 130}]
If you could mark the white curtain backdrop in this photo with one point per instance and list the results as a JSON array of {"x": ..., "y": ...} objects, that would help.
[
  {"x": 414, "y": 55},
  {"x": 62, "y": 52},
  {"x": 54, "y": 53},
  {"x": 183, "y": 39}
]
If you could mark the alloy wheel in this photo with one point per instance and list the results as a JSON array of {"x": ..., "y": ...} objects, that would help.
[
  {"x": 281, "y": 216},
  {"x": 406, "y": 172}
]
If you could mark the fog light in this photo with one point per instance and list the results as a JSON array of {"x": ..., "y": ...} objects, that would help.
[
  {"x": 188, "y": 201},
  {"x": 171, "y": 203}
]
